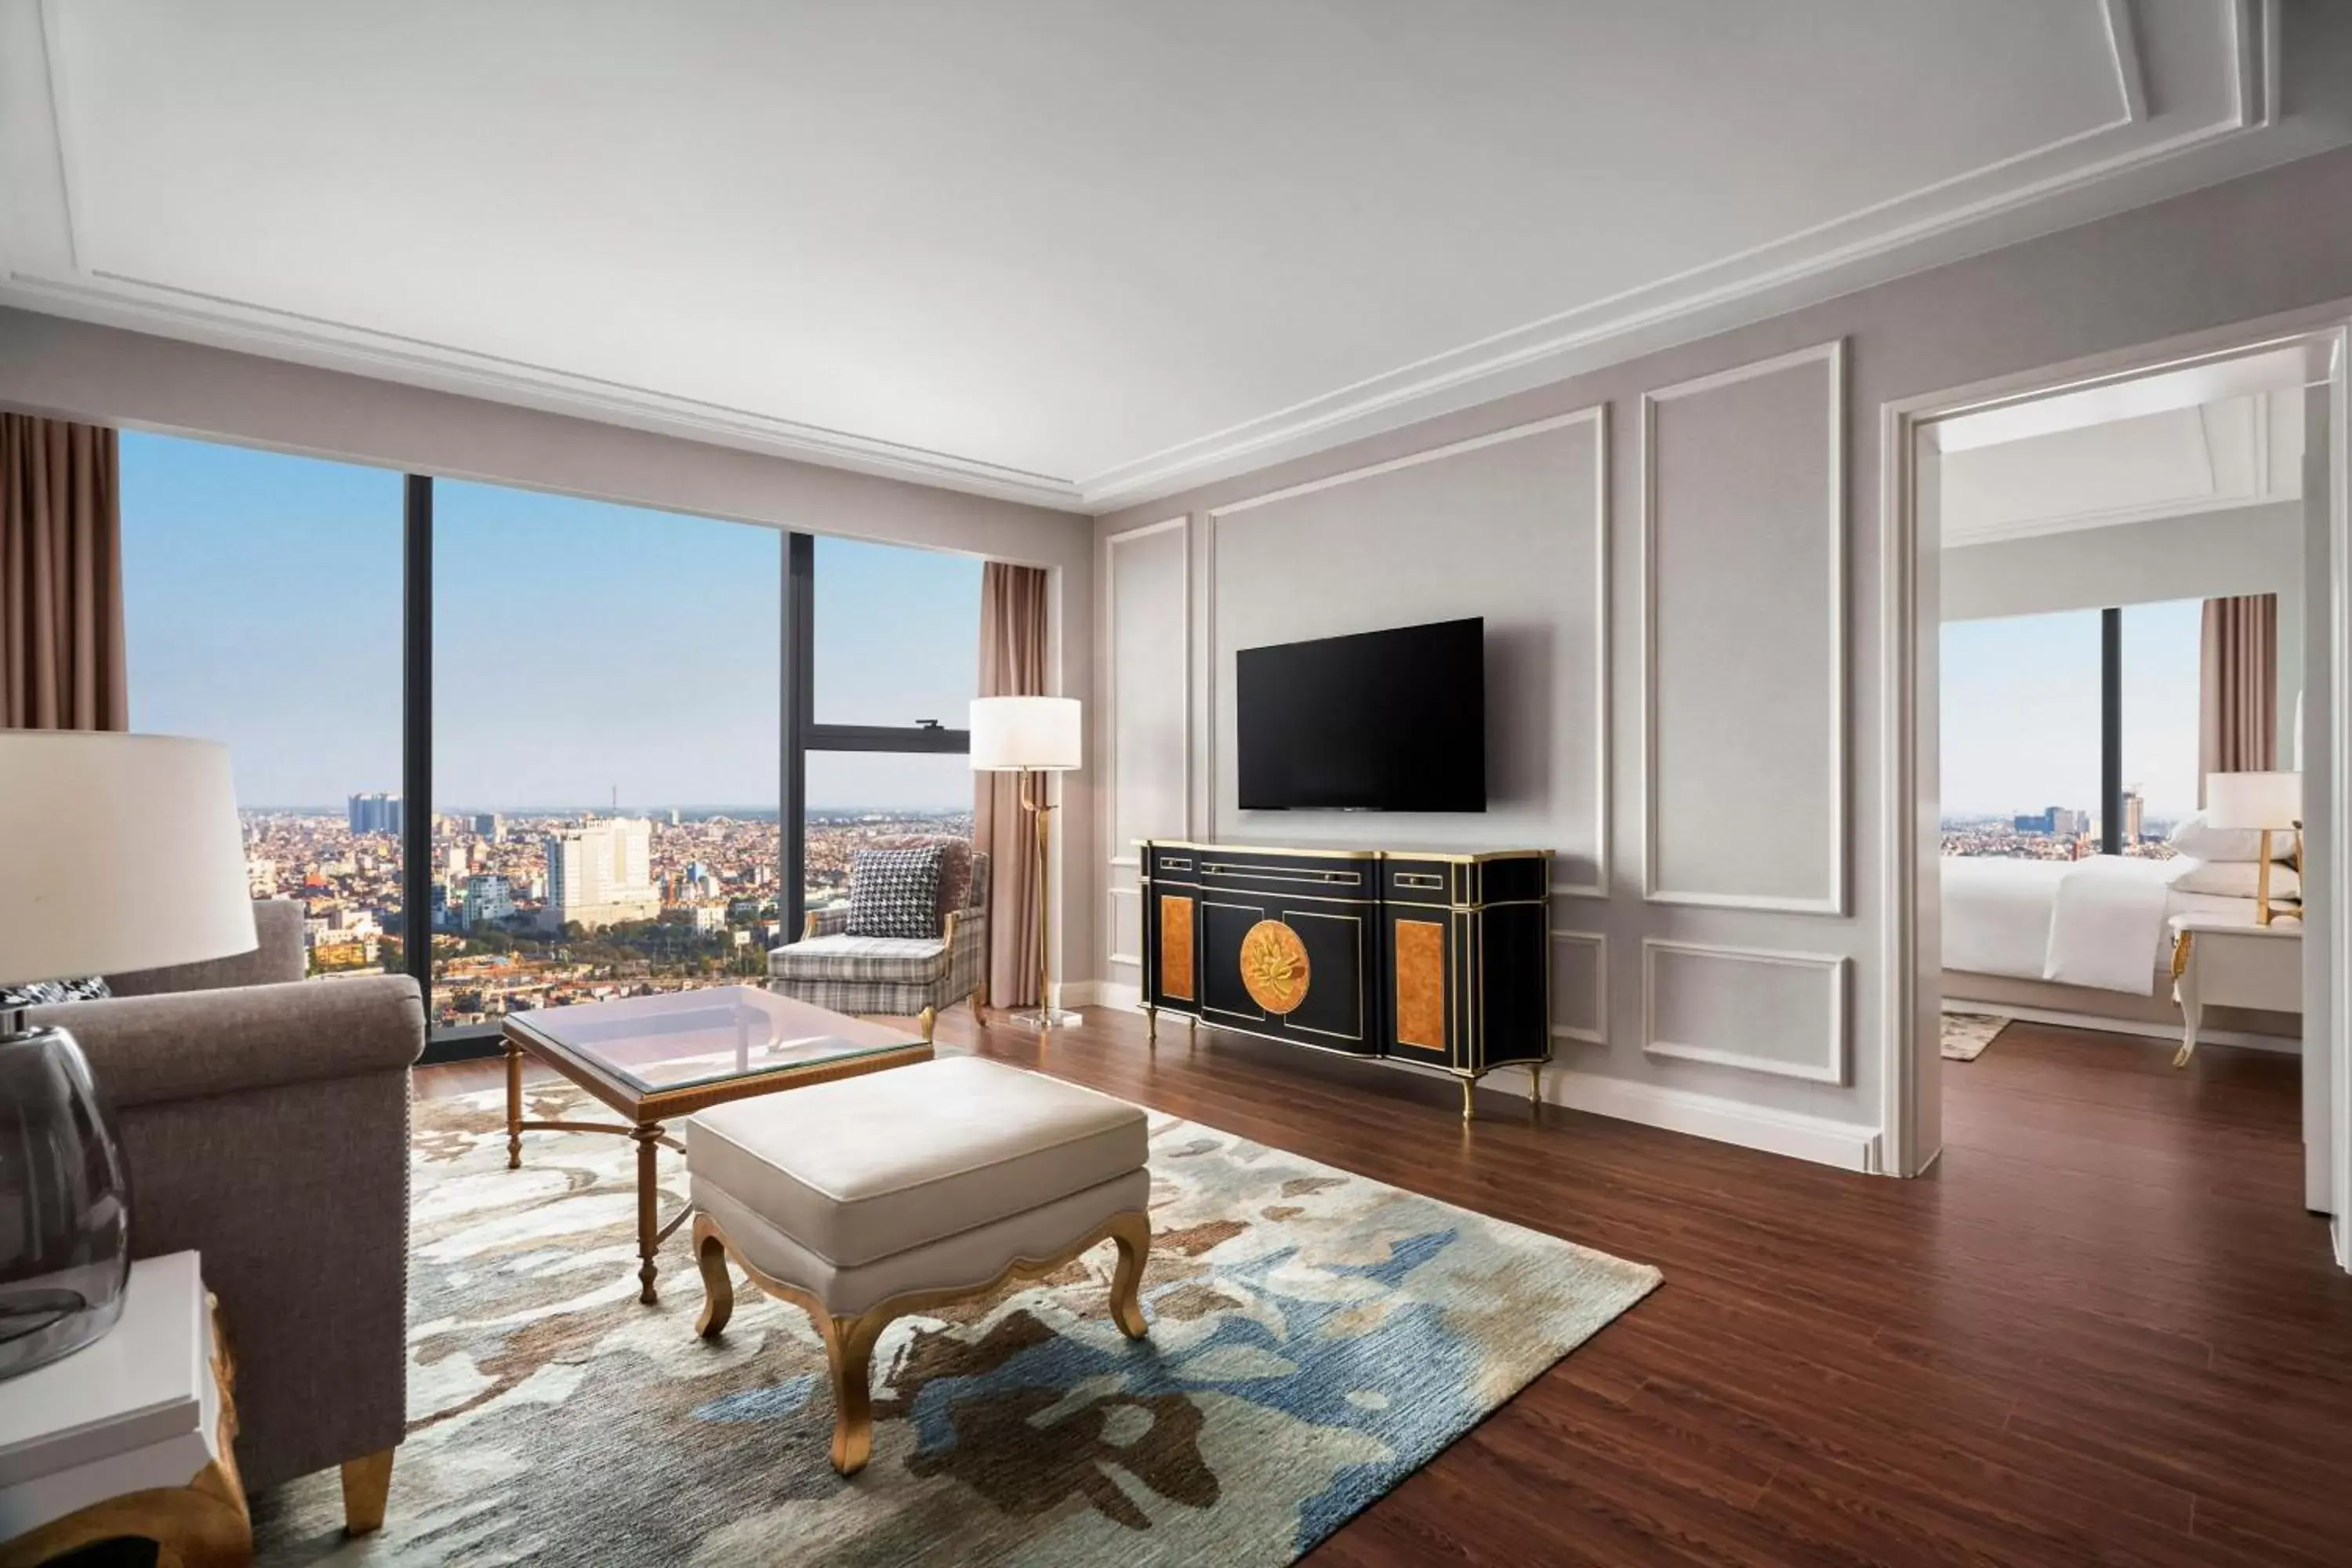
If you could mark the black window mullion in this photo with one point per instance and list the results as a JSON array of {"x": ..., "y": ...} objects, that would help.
[
  {"x": 798, "y": 687},
  {"x": 2111, "y": 731}
]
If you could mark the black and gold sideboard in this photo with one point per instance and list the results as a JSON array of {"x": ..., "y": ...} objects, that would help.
[{"x": 1444, "y": 960}]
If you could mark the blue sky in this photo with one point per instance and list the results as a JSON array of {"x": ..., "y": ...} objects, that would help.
[
  {"x": 2020, "y": 710},
  {"x": 578, "y": 646}
]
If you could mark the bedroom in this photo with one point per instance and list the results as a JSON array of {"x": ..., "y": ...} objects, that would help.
[{"x": 2122, "y": 662}]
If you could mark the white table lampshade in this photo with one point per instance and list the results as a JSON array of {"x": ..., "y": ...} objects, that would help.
[
  {"x": 1031, "y": 734},
  {"x": 2253, "y": 801},
  {"x": 124, "y": 854}
]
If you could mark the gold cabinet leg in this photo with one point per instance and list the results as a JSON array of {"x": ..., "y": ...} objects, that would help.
[
  {"x": 647, "y": 1135},
  {"x": 1191, "y": 1033},
  {"x": 927, "y": 1020},
  {"x": 718, "y": 1285},
  {"x": 1151, "y": 1025},
  {"x": 1535, "y": 1090},
  {"x": 1133, "y": 1233},
  {"x": 514, "y": 1107},
  {"x": 849, "y": 1355},
  {"x": 367, "y": 1486},
  {"x": 1467, "y": 1083}
]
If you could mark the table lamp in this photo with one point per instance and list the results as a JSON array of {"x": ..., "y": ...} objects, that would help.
[
  {"x": 2266, "y": 802},
  {"x": 124, "y": 854},
  {"x": 1032, "y": 735}
]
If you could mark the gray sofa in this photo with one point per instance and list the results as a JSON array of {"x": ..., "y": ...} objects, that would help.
[{"x": 264, "y": 1120}]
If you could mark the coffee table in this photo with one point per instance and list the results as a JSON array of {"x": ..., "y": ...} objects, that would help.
[{"x": 654, "y": 1058}]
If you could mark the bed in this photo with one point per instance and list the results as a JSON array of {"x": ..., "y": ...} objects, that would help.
[{"x": 2082, "y": 937}]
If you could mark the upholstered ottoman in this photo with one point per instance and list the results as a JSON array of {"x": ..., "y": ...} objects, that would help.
[{"x": 870, "y": 1198}]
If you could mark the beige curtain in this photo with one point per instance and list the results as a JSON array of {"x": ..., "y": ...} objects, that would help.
[
  {"x": 2237, "y": 709},
  {"x": 60, "y": 577},
  {"x": 1012, "y": 663}
]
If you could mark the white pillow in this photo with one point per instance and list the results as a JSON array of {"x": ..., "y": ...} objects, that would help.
[
  {"x": 2237, "y": 880},
  {"x": 2192, "y": 841}
]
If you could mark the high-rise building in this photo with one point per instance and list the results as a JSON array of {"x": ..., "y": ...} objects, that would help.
[
  {"x": 2133, "y": 810},
  {"x": 600, "y": 874},
  {"x": 376, "y": 812},
  {"x": 490, "y": 825},
  {"x": 488, "y": 897}
]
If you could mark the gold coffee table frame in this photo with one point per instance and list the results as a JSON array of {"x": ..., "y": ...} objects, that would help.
[{"x": 646, "y": 1113}]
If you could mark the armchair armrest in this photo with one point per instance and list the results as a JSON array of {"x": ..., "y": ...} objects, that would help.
[{"x": 189, "y": 1045}]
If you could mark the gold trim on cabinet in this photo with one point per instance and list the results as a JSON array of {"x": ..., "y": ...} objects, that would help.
[{"x": 1361, "y": 978}]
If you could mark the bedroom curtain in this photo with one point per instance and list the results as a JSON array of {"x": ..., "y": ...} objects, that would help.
[
  {"x": 61, "y": 646},
  {"x": 2237, "y": 709},
  {"x": 1012, "y": 663}
]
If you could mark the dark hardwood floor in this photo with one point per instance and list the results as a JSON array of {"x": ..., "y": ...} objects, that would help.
[{"x": 2103, "y": 1329}]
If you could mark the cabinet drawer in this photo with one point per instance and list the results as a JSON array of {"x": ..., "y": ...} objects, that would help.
[
  {"x": 1345, "y": 878},
  {"x": 1431, "y": 882}
]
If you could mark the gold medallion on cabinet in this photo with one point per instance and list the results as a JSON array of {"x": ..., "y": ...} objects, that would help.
[{"x": 1274, "y": 967}]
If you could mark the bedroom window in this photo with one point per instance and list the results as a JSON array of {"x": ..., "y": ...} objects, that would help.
[
  {"x": 2053, "y": 723},
  {"x": 2022, "y": 711}
]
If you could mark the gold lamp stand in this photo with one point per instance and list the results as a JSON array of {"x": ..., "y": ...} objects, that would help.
[{"x": 1032, "y": 736}]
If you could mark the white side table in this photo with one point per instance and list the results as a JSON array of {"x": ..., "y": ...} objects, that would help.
[
  {"x": 2230, "y": 962},
  {"x": 129, "y": 1437}
]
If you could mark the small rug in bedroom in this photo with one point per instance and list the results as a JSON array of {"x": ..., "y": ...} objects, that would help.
[
  {"x": 1316, "y": 1337},
  {"x": 1966, "y": 1035}
]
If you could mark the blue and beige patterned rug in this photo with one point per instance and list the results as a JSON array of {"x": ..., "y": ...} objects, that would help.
[{"x": 1315, "y": 1338}]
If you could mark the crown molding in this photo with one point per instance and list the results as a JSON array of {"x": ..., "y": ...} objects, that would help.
[{"x": 2109, "y": 166}]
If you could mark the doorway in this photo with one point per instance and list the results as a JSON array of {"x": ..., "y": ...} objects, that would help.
[{"x": 2069, "y": 542}]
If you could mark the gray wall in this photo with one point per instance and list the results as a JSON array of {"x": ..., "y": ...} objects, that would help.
[
  {"x": 1790, "y": 1053},
  {"x": 2205, "y": 556},
  {"x": 107, "y": 376}
]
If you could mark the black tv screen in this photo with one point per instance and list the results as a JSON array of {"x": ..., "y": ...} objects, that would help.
[{"x": 1388, "y": 720}]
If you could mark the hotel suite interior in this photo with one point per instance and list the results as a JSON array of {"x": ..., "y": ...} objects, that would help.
[{"x": 1085, "y": 783}]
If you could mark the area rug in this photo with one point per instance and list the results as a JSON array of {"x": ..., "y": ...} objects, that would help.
[
  {"x": 1966, "y": 1035},
  {"x": 1315, "y": 1336}
]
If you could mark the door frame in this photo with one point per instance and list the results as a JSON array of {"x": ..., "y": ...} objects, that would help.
[{"x": 1911, "y": 619}]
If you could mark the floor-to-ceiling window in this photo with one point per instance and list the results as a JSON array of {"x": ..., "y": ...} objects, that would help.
[
  {"x": 615, "y": 706},
  {"x": 606, "y": 747},
  {"x": 2020, "y": 749},
  {"x": 894, "y": 641},
  {"x": 262, "y": 608},
  {"x": 2028, "y": 704}
]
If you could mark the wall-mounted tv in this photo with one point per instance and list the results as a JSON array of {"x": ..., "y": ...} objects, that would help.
[{"x": 1386, "y": 721}]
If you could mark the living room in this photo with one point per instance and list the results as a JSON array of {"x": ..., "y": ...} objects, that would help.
[{"x": 1340, "y": 868}]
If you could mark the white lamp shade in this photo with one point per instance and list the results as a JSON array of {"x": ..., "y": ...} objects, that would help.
[
  {"x": 122, "y": 853},
  {"x": 2253, "y": 800},
  {"x": 1035, "y": 734}
]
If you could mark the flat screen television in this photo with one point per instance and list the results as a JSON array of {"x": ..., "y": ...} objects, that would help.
[{"x": 1386, "y": 721}]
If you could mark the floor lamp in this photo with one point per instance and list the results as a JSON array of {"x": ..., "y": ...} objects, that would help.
[{"x": 1029, "y": 736}]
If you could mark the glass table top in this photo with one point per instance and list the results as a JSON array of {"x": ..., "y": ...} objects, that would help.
[{"x": 683, "y": 1039}]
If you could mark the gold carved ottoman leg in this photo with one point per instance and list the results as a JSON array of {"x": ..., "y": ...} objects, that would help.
[
  {"x": 718, "y": 1285},
  {"x": 849, "y": 1354},
  {"x": 1133, "y": 1233}
]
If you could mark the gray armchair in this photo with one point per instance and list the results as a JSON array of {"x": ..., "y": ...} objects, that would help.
[
  {"x": 909, "y": 976},
  {"x": 264, "y": 1120}
]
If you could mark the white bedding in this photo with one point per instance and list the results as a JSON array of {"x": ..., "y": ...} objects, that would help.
[{"x": 2097, "y": 923}]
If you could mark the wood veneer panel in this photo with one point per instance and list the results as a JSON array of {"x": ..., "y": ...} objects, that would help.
[
  {"x": 1421, "y": 983},
  {"x": 1176, "y": 946}
]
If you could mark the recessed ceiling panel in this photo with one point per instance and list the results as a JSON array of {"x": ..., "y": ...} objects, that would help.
[{"x": 1055, "y": 237}]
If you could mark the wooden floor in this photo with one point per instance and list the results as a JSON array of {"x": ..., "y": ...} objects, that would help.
[{"x": 2104, "y": 1329}]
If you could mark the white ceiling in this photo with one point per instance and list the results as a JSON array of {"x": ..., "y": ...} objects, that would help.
[
  {"x": 1075, "y": 251},
  {"x": 2243, "y": 450}
]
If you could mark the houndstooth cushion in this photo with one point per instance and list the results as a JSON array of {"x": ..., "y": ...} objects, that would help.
[
  {"x": 46, "y": 992},
  {"x": 895, "y": 892}
]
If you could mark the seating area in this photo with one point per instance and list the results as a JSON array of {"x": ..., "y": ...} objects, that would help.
[{"x": 1213, "y": 784}]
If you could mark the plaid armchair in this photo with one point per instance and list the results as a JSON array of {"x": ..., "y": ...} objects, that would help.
[{"x": 915, "y": 976}]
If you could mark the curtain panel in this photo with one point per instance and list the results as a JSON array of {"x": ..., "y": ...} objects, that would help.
[
  {"x": 2237, "y": 709},
  {"x": 1012, "y": 663},
  {"x": 61, "y": 646}
]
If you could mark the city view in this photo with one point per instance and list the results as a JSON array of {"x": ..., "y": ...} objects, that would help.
[
  {"x": 2055, "y": 833},
  {"x": 523, "y": 915}
]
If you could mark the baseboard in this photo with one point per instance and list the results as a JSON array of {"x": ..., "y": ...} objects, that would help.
[
  {"x": 1102, "y": 993},
  {"x": 2131, "y": 1026},
  {"x": 1825, "y": 1143}
]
